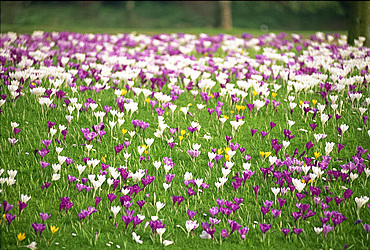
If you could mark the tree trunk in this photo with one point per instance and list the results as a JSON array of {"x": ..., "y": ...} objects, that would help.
[
  {"x": 226, "y": 21},
  {"x": 359, "y": 22}
]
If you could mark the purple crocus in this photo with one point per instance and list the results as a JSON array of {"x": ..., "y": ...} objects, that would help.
[
  {"x": 297, "y": 231},
  {"x": 38, "y": 228},
  {"x": 21, "y": 206},
  {"x": 140, "y": 203},
  {"x": 243, "y": 232},
  {"x": 285, "y": 231},
  {"x": 281, "y": 202},
  {"x": 127, "y": 219},
  {"x": 97, "y": 201},
  {"x": 367, "y": 228},
  {"x": 340, "y": 147},
  {"x": 256, "y": 188},
  {"x": 9, "y": 217},
  {"x": 233, "y": 225},
  {"x": 136, "y": 221},
  {"x": 111, "y": 197},
  {"x": 265, "y": 227},
  {"x": 309, "y": 145},
  {"x": 348, "y": 193},
  {"x": 224, "y": 233}
]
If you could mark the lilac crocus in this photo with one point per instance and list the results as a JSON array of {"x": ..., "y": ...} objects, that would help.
[
  {"x": 213, "y": 211},
  {"x": 327, "y": 229},
  {"x": 191, "y": 214},
  {"x": 44, "y": 217}
]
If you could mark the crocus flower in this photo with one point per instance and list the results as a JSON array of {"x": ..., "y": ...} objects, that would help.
[
  {"x": 265, "y": 227},
  {"x": 38, "y": 228},
  {"x": 285, "y": 231},
  {"x": 97, "y": 201},
  {"x": 233, "y": 225},
  {"x": 9, "y": 218},
  {"x": 191, "y": 214},
  {"x": 21, "y": 206},
  {"x": 224, "y": 233},
  {"x": 243, "y": 231},
  {"x": 297, "y": 231},
  {"x": 44, "y": 217},
  {"x": 327, "y": 229},
  {"x": 367, "y": 228},
  {"x": 256, "y": 188}
]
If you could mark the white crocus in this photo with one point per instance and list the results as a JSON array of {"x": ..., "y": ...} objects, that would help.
[{"x": 25, "y": 198}]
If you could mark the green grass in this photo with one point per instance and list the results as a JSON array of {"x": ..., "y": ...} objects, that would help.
[{"x": 29, "y": 29}]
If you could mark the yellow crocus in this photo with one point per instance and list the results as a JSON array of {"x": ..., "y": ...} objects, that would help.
[
  {"x": 267, "y": 154},
  {"x": 21, "y": 236},
  {"x": 146, "y": 152},
  {"x": 103, "y": 159},
  {"x": 124, "y": 131},
  {"x": 123, "y": 91},
  {"x": 273, "y": 94},
  {"x": 225, "y": 116},
  {"x": 232, "y": 112},
  {"x": 242, "y": 107},
  {"x": 181, "y": 137},
  {"x": 147, "y": 100},
  {"x": 219, "y": 151},
  {"x": 255, "y": 93},
  {"x": 303, "y": 181},
  {"x": 227, "y": 150},
  {"x": 54, "y": 229},
  {"x": 187, "y": 135},
  {"x": 314, "y": 102},
  {"x": 227, "y": 157},
  {"x": 237, "y": 107},
  {"x": 190, "y": 104},
  {"x": 4, "y": 217},
  {"x": 317, "y": 154},
  {"x": 262, "y": 153},
  {"x": 301, "y": 103},
  {"x": 212, "y": 96},
  {"x": 183, "y": 132}
]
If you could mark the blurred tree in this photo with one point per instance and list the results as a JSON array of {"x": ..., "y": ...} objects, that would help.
[
  {"x": 12, "y": 8},
  {"x": 130, "y": 5},
  {"x": 226, "y": 20},
  {"x": 359, "y": 24}
]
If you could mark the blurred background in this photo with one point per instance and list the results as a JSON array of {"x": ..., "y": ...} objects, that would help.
[{"x": 185, "y": 16}]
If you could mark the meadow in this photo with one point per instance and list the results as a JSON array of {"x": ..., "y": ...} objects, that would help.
[{"x": 177, "y": 140}]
